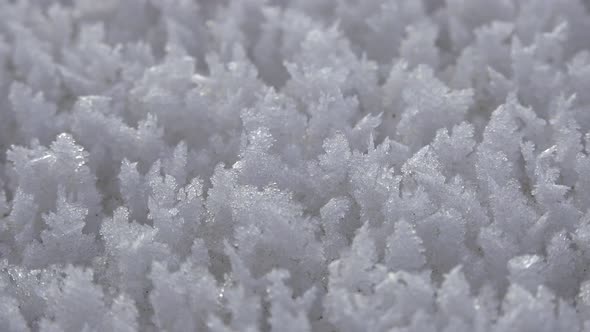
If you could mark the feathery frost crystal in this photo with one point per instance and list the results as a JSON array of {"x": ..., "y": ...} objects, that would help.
[{"x": 295, "y": 165}]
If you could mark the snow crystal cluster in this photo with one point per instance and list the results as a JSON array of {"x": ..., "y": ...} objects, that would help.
[{"x": 295, "y": 165}]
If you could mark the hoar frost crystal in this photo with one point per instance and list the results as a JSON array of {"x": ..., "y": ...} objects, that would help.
[{"x": 295, "y": 165}]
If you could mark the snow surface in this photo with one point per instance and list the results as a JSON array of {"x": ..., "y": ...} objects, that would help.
[{"x": 295, "y": 165}]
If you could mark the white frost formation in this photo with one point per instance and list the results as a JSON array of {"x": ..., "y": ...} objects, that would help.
[{"x": 295, "y": 165}]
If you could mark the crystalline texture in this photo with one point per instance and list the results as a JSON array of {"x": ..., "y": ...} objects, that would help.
[{"x": 294, "y": 165}]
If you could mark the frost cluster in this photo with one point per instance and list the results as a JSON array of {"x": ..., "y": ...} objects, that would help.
[{"x": 295, "y": 165}]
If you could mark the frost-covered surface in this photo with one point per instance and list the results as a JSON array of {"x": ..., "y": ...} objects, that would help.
[{"x": 294, "y": 165}]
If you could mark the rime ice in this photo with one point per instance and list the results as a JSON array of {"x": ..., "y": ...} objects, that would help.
[{"x": 294, "y": 165}]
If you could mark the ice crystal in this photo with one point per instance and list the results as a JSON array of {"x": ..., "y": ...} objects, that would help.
[{"x": 294, "y": 165}]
